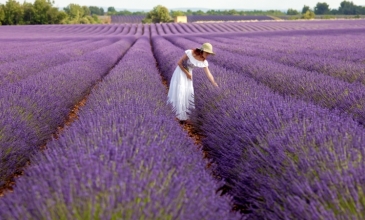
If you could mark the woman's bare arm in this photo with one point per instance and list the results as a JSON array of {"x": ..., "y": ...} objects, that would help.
[
  {"x": 210, "y": 76},
  {"x": 179, "y": 63}
]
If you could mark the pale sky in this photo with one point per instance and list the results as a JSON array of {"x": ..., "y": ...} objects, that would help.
[{"x": 208, "y": 4}]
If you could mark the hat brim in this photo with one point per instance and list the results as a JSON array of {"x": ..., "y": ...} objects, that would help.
[{"x": 206, "y": 51}]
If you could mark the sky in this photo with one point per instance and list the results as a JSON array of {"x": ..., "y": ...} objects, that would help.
[{"x": 207, "y": 4}]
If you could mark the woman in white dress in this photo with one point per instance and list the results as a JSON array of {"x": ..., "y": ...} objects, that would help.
[{"x": 181, "y": 91}]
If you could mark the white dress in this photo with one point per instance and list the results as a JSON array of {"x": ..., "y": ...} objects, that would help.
[{"x": 181, "y": 91}]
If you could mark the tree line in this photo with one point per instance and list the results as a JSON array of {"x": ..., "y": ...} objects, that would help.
[
  {"x": 43, "y": 12},
  {"x": 322, "y": 8}
]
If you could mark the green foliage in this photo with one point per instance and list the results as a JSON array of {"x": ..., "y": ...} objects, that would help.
[
  {"x": 124, "y": 12},
  {"x": 74, "y": 11},
  {"x": 96, "y": 11},
  {"x": 349, "y": 8},
  {"x": 292, "y": 12},
  {"x": 321, "y": 8},
  {"x": 41, "y": 9},
  {"x": 61, "y": 17},
  {"x": 2, "y": 14},
  {"x": 176, "y": 13},
  {"x": 159, "y": 14},
  {"x": 308, "y": 15},
  {"x": 29, "y": 13},
  {"x": 305, "y": 9},
  {"x": 199, "y": 12},
  {"x": 77, "y": 14},
  {"x": 111, "y": 10},
  {"x": 86, "y": 10},
  {"x": 43, "y": 12},
  {"x": 13, "y": 12}
]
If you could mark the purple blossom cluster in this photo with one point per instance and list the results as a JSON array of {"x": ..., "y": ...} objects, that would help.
[
  {"x": 124, "y": 158},
  {"x": 282, "y": 158},
  {"x": 33, "y": 108}
]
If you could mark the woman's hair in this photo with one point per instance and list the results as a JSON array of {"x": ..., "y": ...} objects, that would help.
[{"x": 198, "y": 52}]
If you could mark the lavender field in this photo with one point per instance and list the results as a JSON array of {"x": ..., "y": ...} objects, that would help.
[{"x": 283, "y": 136}]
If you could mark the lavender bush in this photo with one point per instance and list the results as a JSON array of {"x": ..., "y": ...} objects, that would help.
[
  {"x": 125, "y": 158},
  {"x": 279, "y": 130},
  {"x": 21, "y": 69},
  {"x": 282, "y": 158},
  {"x": 306, "y": 85},
  {"x": 32, "y": 109}
]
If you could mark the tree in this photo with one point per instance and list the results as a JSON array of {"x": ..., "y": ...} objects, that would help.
[
  {"x": 347, "y": 8},
  {"x": 56, "y": 17},
  {"x": 308, "y": 15},
  {"x": 157, "y": 15},
  {"x": 176, "y": 13},
  {"x": 189, "y": 12},
  {"x": 61, "y": 17},
  {"x": 2, "y": 14},
  {"x": 74, "y": 11},
  {"x": 96, "y": 11},
  {"x": 111, "y": 10},
  {"x": 292, "y": 12},
  {"x": 213, "y": 12},
  {"x": 232, "y": 12},
  {"x": 79, "y": 15},
  {"x": 199, "y": 12},
  {"x": 321, "y": 8},
  {"x": 29, "y": 13},
  {"x": 86, "y": 10},
  {"x": 13, "y": 13},
  {"x": 305, "y": 9},
  {"x": 124, "y": 12},
  {"x": 139, "y": 13},
  {"x": 41, "y": 8}
]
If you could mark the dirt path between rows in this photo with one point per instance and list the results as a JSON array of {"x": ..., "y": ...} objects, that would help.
[
  {"x": 197, "y": 138},
  {"x": 71, "y": 117}
]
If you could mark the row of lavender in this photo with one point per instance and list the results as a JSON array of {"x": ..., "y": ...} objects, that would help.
[
  {"x": 35, "y": 100},
  {"x": 349, "y": 46},
  {"x": 43, "y": 57},
  {"x": 124, "y": 158},
  {"x": 282, "y": 158},
  {"x": 234, "y": 27},
  {"x": 99, "y": 31},
  {"x": 346, "y": 62},
  {"x": 316, "y": 87},
  {"x": 70, "y": 31}
]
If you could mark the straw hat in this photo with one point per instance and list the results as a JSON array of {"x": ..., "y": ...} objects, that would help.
[{"x": 207, "y": 47}]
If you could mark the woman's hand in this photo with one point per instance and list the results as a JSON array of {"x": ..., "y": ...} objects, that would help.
[
  {"x": 189, "y": 75},
  {"x": 210, "y": 76}
]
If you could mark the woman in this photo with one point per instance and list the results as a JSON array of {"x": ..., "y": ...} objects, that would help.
[{"x": 181, "y": 92}]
